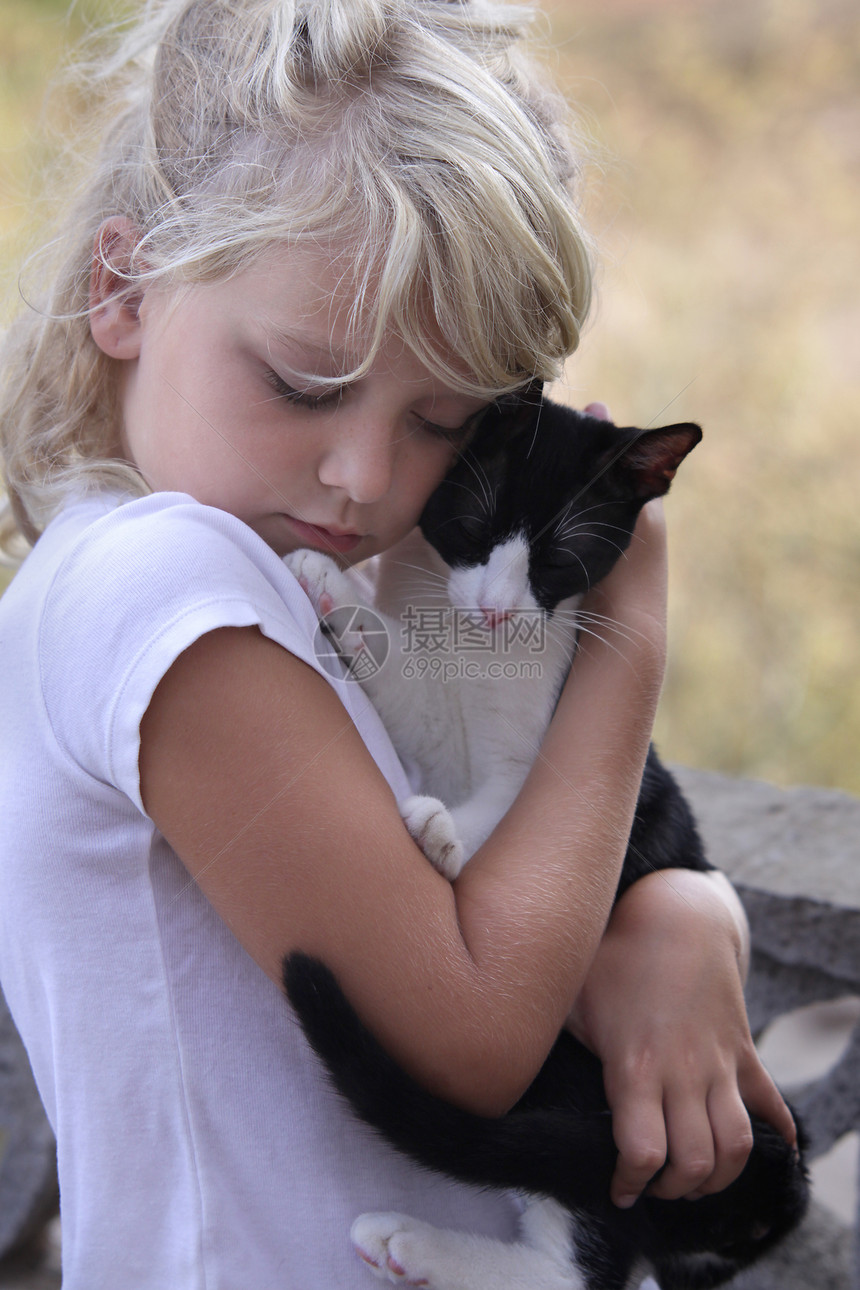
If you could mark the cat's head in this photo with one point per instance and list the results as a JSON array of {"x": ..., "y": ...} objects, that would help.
[{"x": 544, "y": 500}]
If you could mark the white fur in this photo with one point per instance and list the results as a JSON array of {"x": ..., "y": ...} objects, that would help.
[
  {"x": 502, "y": 584},
  {"x": 406, "y": 1251},
  {"x": 449, "y": 725},
  {"x": 450, "y": 728}
]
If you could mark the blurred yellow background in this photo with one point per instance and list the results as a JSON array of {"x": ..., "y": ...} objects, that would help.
[{"x": 724, "y": 193}]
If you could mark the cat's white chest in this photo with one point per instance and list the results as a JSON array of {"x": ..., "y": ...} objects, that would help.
[
  {"x": 469, "y": 687},
  {"x": 508, "y": 699},
  {"x": 471, "y": 710}
]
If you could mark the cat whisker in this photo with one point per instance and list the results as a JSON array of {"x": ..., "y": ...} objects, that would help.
[
  {"x": 595, "y": 537},
  {"x": 587, "y": 619},
  {"x": 429, "y": 576},
  {"x": 581, "y": 562},
  {"x": 573, "y": 512},
  {"x": 536, "y": 428},
  {"x": 570, "y": 513},
  {"x": 586, "y": 632},
  {"x": 483, "y": 503},
  {"x": 481, "y": 476},
  {"x": 582, "y": 646},
  {"x": 468, "y": 488},
  {"x": 577, "y": 524},
  {"x": 427, "y": 597},
  {"x": 596, "y": 626}
]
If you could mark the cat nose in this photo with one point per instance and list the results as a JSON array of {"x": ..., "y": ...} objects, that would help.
[{"x": 492, "y": 617}]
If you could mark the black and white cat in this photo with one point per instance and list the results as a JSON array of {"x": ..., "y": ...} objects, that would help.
[{"x": 536, "y": 511}]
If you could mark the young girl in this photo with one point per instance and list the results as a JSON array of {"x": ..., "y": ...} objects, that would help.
[{"x": 318, "y": 237}]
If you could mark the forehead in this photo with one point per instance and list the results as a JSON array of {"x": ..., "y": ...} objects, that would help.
[
  {"x": 307, "y": 287},
  {"x": 316, "y": 297}
]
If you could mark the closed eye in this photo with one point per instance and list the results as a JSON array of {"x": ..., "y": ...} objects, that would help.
[
  {"x": 303, "y": 398},
  {"x": 561, "y": 557},
  {"x": 457, "y": 435},
  {"x": 473, "y": 526}
]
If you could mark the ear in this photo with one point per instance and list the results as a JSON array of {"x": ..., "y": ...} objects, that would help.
[
  {"x": 114, "y": 300},
  {"x": 655, "y": 455}
]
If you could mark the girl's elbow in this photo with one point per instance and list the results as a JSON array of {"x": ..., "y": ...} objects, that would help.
[{"x": 489, "y": 1079}]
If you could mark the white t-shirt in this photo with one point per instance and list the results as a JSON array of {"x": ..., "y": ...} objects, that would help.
[{"x": 199, "y": 1143}]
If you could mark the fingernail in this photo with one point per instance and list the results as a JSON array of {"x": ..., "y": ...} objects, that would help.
[{"x": 626, "y": 1202}]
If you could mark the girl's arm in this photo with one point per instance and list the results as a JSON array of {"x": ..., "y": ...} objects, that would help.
[
  {"x": 663, "y": 1008},
  {"x": 256, "y": 776}
]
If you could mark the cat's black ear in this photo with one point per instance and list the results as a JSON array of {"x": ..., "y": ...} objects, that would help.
[{"x": 654, "y": 456}]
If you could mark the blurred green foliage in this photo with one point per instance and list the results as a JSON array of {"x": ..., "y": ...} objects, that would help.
[{"x": 724, "y": 191}]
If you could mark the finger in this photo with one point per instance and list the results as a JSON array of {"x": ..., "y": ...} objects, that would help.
[
  {"x": 691, "y": 1149},
  {"x": 599, "y": 410},
  {"x": 762, "y": 1098},
  {"x": 733, "y": 1138},
  {"x": 639, "y": 1130}
]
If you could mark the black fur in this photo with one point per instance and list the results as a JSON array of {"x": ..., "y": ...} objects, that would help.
[
  {"x": 557, "y": 1141},
  {"x": 573, "y": 485}
]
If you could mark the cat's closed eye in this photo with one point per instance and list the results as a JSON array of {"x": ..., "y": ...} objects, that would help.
[
  {"x": 473, "y": 526},
  {"x": 561, "y": 556}
]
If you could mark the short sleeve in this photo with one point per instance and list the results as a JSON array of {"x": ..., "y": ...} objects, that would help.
[{"x": 138, "y": 586}]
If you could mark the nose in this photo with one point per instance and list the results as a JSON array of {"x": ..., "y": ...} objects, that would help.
[
  {"x": 492, "y": 617},
  {"x": 359, "y": 460}
]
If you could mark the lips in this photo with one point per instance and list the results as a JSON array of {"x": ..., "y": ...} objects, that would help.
[{"x": 325, "y": 539}]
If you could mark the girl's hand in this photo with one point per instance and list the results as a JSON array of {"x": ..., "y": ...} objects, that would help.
[{"x": 663, "y": 1008}]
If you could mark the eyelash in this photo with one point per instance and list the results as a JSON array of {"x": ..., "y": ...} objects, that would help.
[
  {"x": 313, "y": 402},
  {"x": 451, "y": 434},
  {"x": 301, "y": 398}
]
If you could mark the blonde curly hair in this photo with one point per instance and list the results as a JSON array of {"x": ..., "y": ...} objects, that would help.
[{"x": 415, "y": 132}]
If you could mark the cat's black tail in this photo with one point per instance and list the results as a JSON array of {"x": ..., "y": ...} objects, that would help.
[
  {"x": 557, "y": 1142},
  {"x": 531, "y": 1149}
]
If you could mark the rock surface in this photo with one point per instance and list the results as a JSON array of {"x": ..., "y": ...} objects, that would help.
[
  {"x": 28, "y": 1154},
  {"x": 793, "y": 857}
]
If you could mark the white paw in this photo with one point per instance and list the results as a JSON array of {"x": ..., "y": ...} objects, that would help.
[
  {"x": 390, "y": 1245},
  {"x": 324, "y": 584},
  {"x": 431, "y": 825}
]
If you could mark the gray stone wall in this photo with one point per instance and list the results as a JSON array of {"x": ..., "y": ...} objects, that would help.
[{"x": 794, "y": 857}]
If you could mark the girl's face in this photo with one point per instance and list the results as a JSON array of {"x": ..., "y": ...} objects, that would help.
[{"x": 221, "y": 399}]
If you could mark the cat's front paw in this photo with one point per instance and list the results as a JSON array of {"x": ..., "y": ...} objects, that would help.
[
  {"x": 324, "y": 584},
  {"x": 431, "y": 825},
  {"x": 390, "y": 1246}
]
